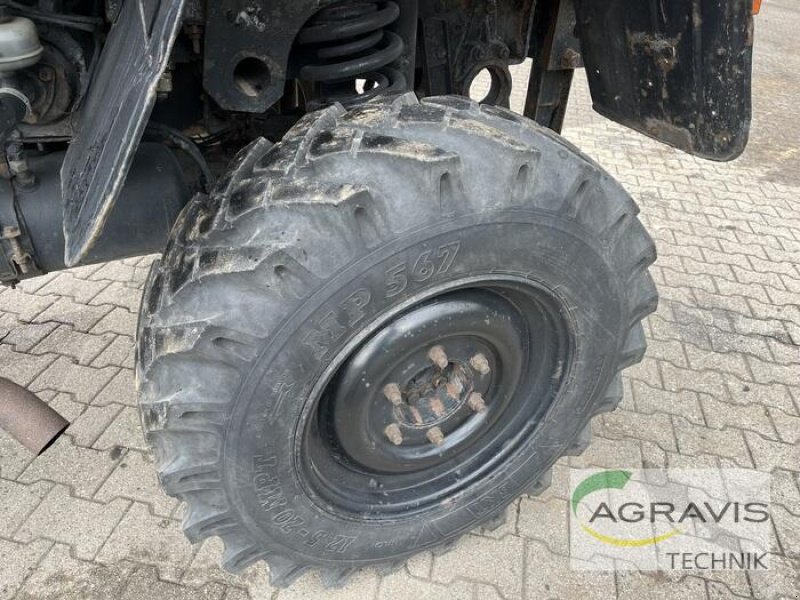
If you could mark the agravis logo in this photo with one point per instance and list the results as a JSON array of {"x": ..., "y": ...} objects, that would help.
[
  {"x": 678, "y": 519},
  {"x": 604, "y": 481}
]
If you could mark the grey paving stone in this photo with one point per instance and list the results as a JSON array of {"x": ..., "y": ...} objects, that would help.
[
  {"x": 66, "y": 311},
  {"x": 23, "y": 368},
  {"x": 721, "y": 415},
  {"x": 547, "y": 522},
  {"x": 82, "y": 347},
  {"x": 79, "y": 523},
  {"x": 14, "y": 459},
  {"x": 17, "y": 501},
  {"x": 83, "y": 469},
  {"x": 780, "y": 582},
  {"x": 609, "y": 454},
  {"x": 24, "y": 336},
  {"x": 694, "y": 439},
  {"x": 67, "y": 284},
  {"x": 25, "y": 306},
  {"x": 64, "y": 375},
  {"x": 19, "y": 561},
  {"x": 89, "y": 425},
  {"x": 787, "y": 527},
  {"x": 788, "y": 426},
  {"x": 119, "y": 353},
  {"x": 655, "y": 427},
  {"x": 363, "y": 584},
  {"x": 135, "y": 478},
  {"x": 124, "y": 432},
  {"x": 60, "y": 576},
  {"x": 148, "y": 539},
  {"x": 770, "y": 395},
  {"x": 119, "y": 320},
  {"x": 120, "y": 390},
  {"x": 550, "y": 576},
  {"x": 659, "y": 586},
  {"x": 145, "y": 584},
  {"x": 400, "y": 586},
  {"x": 497, "y": 562},
  {"x": 769, "y": 455},
  {"x": 119, "y": 295}
]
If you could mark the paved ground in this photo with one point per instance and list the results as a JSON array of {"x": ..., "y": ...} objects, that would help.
[{"x": 720, "y": 387}]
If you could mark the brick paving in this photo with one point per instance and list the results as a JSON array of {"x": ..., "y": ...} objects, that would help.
[{"x": 720, "y": 387}]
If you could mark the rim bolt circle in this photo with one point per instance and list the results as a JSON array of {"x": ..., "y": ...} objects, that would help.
[
  {"x": 476, "y": 402},
  {"x": 393, "y": 394},
  {"x": 394, "y": 434},
  {"x": 480, "y": 364},
  {"x": 435, "y": 436},
  {"x": 438, "y": 357}
]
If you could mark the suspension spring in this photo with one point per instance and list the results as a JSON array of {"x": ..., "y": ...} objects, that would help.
[{"x": 349, "y": 52}]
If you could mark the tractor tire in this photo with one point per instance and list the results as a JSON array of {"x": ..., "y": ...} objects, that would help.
[{"x": 374, "y": 336}]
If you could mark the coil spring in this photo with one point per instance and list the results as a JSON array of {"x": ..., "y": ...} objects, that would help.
[{"x": 348, "y": 44}]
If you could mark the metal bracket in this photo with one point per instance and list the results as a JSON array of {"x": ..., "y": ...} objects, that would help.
[
  {"x": 15, "y": 254},
  {"x": 556, "y": 54}
]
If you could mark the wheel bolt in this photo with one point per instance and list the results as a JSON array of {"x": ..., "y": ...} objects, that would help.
[
  {"x": 435, "y": 436},
  {"x": 454, "y": 388},
  {"x": 438, "y": 357},
  {"x": 393, "y": 394},
  {"x": 480, "y": 364},
  {"x": 476, "y": 402},
  {"x": 394, "y": 434}
]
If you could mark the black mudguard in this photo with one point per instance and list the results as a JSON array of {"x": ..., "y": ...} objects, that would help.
[
  {"x": 678, "y": 71},
  {"x": 113, "y": 118}
]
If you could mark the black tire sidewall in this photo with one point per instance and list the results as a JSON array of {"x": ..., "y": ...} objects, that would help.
[{"x": 260, "y": 456}]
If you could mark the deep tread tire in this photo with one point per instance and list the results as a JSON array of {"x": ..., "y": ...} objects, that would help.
[{"x": 288, "y": 218}]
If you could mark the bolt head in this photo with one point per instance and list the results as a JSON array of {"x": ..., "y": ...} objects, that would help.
[
  {"x": 438, "y": 357},
  {"x": 435, "y": 436},
  {"x": 393, "y": 393},
  {"x": 393, "y": 434},
  {"x": 454, "y": 388},
  {"x": 481, "y": 364},
  {"x": 476, "y": 402}
]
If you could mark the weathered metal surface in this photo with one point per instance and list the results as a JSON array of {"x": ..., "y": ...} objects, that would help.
[
  {"x": 555, "y": 57},
  {"x": 27, "y": 418},
  {"x": 114, "y": 116},
  {"x": 463, "y": 38},
  {"x": 678, "y": 71}
]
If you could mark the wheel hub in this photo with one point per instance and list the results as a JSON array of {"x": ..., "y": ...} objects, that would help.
[{"x": 436, "y": 397}]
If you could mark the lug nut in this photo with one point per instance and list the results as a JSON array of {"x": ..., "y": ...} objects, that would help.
[
  {"x": 394, "y": 434},
  {"x": 454, "y": 388},
  {"x": 393, "y": 394},
  {"x": 435, "y": 436},
  {"x": 438, "y": 357},
  {"x": 476, "y": 402},
  {"x": 480, "y": 364}
]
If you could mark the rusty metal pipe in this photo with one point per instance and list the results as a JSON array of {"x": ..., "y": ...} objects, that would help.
[{"x": 26, "y": 418}]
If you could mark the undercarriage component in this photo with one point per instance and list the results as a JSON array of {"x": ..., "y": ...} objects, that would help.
[
  {"x": 28, "y": 419},
  {"x": 114, "y": 116},
  {"x": 19, "y": 48},
  {"x": 461, "y": 41},
  {"x": 19, "y": 43},
  {"x": 554, "y": 49},
  {"x": 247, "y": 48},
  {"x": 32, "y": 240},
  {"x": 677, "y": 71},
  {"x": 350, "y": 47}
]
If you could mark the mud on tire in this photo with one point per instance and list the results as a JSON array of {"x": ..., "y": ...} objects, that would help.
[{"x": 306, "y": 249}]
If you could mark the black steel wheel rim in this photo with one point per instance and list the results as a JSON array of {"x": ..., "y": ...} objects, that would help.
[{"x": 476, "y": 369}]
